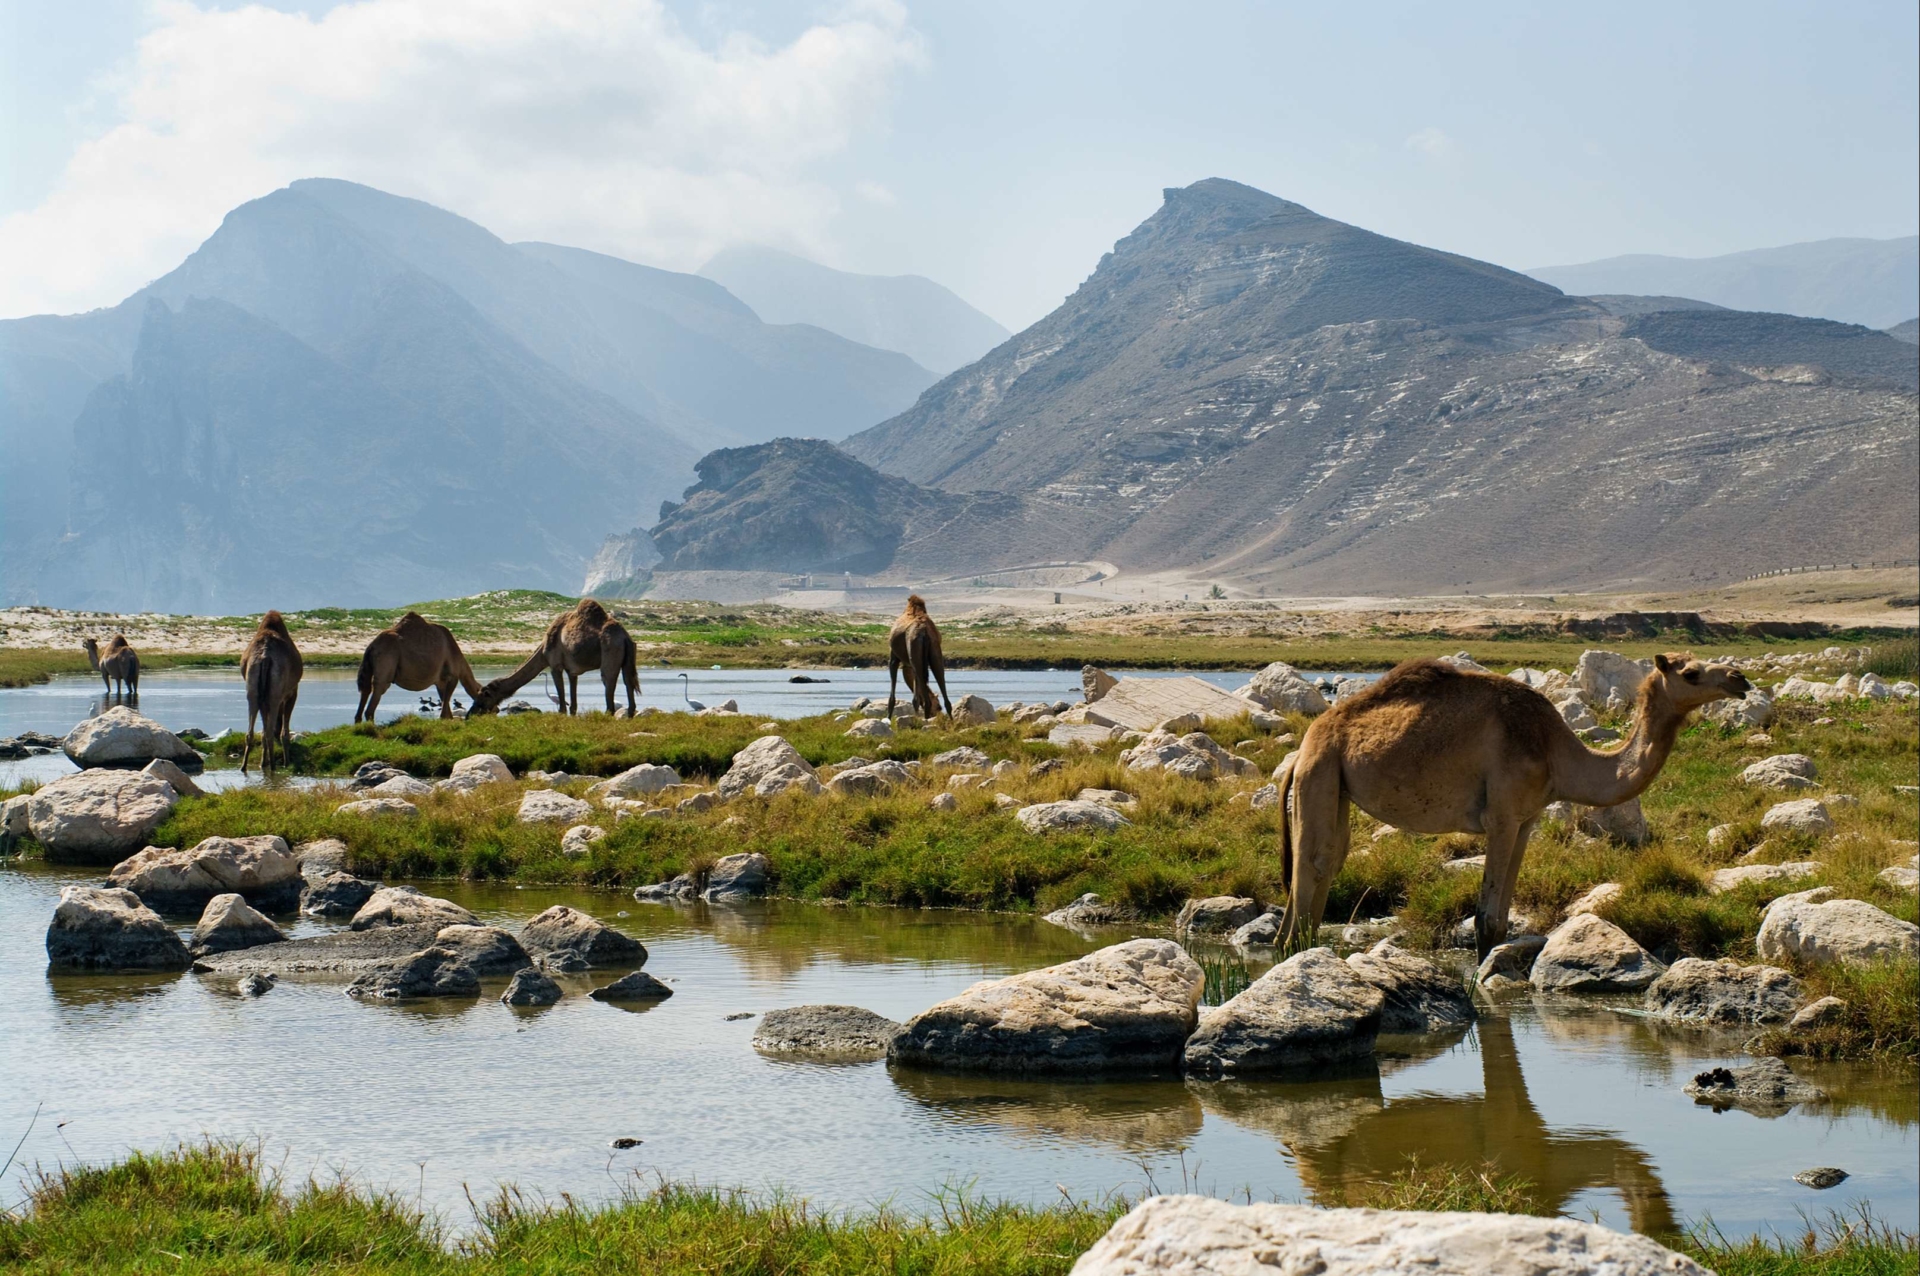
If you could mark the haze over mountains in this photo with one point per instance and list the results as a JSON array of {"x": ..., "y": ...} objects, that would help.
[
  {"x": 1874, "y": 282},
  {"x": 445, "y": 411},
  {"x": 1260, "y": 395}
]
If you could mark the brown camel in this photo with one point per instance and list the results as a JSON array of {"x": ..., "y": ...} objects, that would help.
[
  {"x": 1431, "y": 749},
  {"x": 271, "y": 667},
  {"x": 578, "y": 641},
  {"x": 120, "y": 665},
  {"x": 915, "y": 643},
  {"x": 414, "y": 654}
]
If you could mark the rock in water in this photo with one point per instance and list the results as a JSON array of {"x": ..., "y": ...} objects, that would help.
[
  {"x": 406, "y": 906},
  {"x": 177, "y": 780},
  {"x": 1203, "y": 1236},
  {"x": 105, "y": 928},
  {"x": 531, "y": 988},
  {"x": 1088, "y": 910},
  {"x": 738, "y": 877},
  {"x": 1822, "y": 1177},
  {"x": 638, "y": 986},
  {"x": 1215, "y": 915},
  {"x": 261, "y": 869},
  {"x": 1127, "y": 1007},
  {"x": 838, "y": 1032},
  {"x": 257, "y": 985},
  {"x": 1589, "y": 954},
  {"x": 1310, "y": 1010},
  {"x": 562, "y": 927},
  {"x": 98, "y": 817},
  {"x": 120, "y": 737},
  {"x": 1723, "y": 993},
  {"x": 336, "y": 895},
  {"x": 1419, "y": 995},
  {"x": 488, "y": 949},
  {"x": 1262, "y": 932},
  {"x": 1820, "y": 930},
  {"x": 230, "y": 923},
  {"x": 431, "y": 972},
  {"x": 1766, "y": 1087}
]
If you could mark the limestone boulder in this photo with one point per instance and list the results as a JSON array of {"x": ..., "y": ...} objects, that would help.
[
  {"x": 1813, "y": 927},
  {"x": 1589, "y": 954},
  {"x": 1280, "y": 689},
  {"x": 98, "y": 817},
  {"x": 742, "y": 876},
  {"x": 481, "y": 768},
  {"x": 260, "y": 868},
  {"x": 1805, "y": 815},
  {"x": 964, "y": 758},
  {"x": 106, "y": 928},
  {"x": 1262, "y": 932},
  {"x": 825, "y": 1032},
  {"x": 550, "y": 806},
  {"x": 1088, "y": 910},
  {"x": 1723, "y": 994},
  {"x": 1826, "y": 1012},
  {"x": 406, "y": 906},
  {"x": 636, "y": 782},
  {"x": 321, "y": 859},
  {"x": 1419, "y": 995},
  {"x": 1205, "y": 1236},
  {"x": 871, "y": 780},
  {"x": 178, "y": 780},
  {"x": 229, "y": 923},
  {"x": 757, "y": 761},
  {"x": 368, "y": 808},
  {"x": 871, "y": 729},
  {"x": 529, "y": 988},
  {"x": 972, "y": 711},
  {"x": 1596, "y": 899},
  {"x": 490, "y": 950},
  {"x": 1782, "y": 771},
  {"x": 637, "y": 986},
  {"x": 1608, "y": 679},
  {"x": 14, "y": 819},
  {"x": 677, "y": 889},
  {"x": 1129, "y": 1007},
  {"x": 336, "y": 895},
  {"x": 563, "y": 927},
  {"x": 1545, "y": 681},
  {"x": 1310, "y": 1010},
  {"x": 1215, "y": 915},
  {"x": 1511, "y": 961},
  {"x": 1752, "y": 712},
  {"x": 788, "y": 779},
  {"x": 1725, "y": 879},
  {"x": 1624, "y": 823},
  {"x": 579, "y": 839},
  {"x": 431, "y": 972},
  {"x": 1899, "y": 877},
  {"x": 120, "y": 737},
  {"x": 1053, "y": 817},
  {"x": 404, "y": 787}
]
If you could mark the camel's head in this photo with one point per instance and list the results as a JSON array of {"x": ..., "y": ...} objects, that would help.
[
  {"x": 1690, "y": 683},
  {"x": 92, "y": 646},
  {"x": 488, "y": 701},
  {"x": 916, "y": 605}
]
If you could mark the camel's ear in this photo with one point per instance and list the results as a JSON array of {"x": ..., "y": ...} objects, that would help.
[{"x": 1663, "y": 662}]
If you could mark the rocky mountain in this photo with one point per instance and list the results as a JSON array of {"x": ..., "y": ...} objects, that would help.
[
  {"x": 908, "y": 313},
  {"x": 1875, "y": 282},
  {"x": 567, "y": 391},
  {"x": 1256, "y": 393},
  {"x": 1908, "y": 331}
]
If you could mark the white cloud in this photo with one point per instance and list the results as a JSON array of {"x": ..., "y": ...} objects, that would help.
[
  {"x": 600, "y": 123},
  {"x": 1432, "y": 143},
  {"x": 875, "y": 193}
]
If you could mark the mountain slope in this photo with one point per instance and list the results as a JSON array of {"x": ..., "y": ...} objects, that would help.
[
  {"x": 1875, "y": 282},
  {"x": 908, "y": 313},
  {"x": 1244, "y": 389}
]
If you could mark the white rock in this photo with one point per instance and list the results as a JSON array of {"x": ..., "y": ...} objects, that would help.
[
  {"x": 550, "y": 806},
  {"x": 1782, "y": 771},
  {"x": 871, "y": 779},
  {"x": 178, "y": 780},
  {"x": 1900, "y": 878},
  {"x": 1310, "y": 1010},
  {"x": 121, "y": 737},
  {"x": 401, "y": 786},
  {"x": 1624, "y": 823},
  {"x": 736, "y": 877},
  {"x": 1203, "y": 1236},
  {"x": 1264, "y": 797},
  {"x": 1463, "y": 662},
  {"x": 579, "y": 839},
  {"x": 14, "y": 821},
  {"x": 1085, "y": 735},
  {"x": 871, "y": 729},
  {"x": 1545, "y": 681},
  {"x": 1591, "y": 902},
  {"x": 1575, "y": 713},
  {"x": 1807, "y": 815},
  {"x": 1046, "y": 817},
  {"x": 1820, "y": 930},
  {"x": 105, "y": 928},
  {"x": 964, "y": 758},
  {"x": 261, "y": 868},
  {"x": 1754, "y": 710},
  {"x": 98, "y": 814},
  {"x": 636, "y": 782},
  {"x": 1720, "y": 836},
  {"x": 944, "y": 802},
  {"x": 1726, "y": 879},
  {"x": 753, "y": 763},
  {"x": 485, "y": 768},
  {"x": 787, "y": 777},
  {"x": 972, "y": 711},
  {"x": 1280, "y": 688},
  {"x": 406, "y": 906},
  {"x": 228, "y": 923},
  {"x": 1589, "y": 954},
  {"x": 378, "y": 806},
  {"x": 1112, "y": 797}
]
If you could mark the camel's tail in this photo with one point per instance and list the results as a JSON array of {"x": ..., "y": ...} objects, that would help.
[
  {"x": 1283, "y": 780},
  {"x": 630, "y": 667},
  {"x": 365, "y": 676}
]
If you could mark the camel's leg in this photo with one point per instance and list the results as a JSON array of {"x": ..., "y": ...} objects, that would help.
[
  {"x": 1506, "y": 847},
  {"x": 893, "y": 680},
  {"x": 286, "y": 717},
  {"x": 447, "y": 685},
  {"x": 610, "y": 678},
  {"x": 1318, "y": 829},
  {"x": 940, "y": 672},
  {"x": 373, "y": 697},
  {"x": 246, "y": 750},
  {"x": 573, "y": 693},
  {"x": 559, "y": 688}
]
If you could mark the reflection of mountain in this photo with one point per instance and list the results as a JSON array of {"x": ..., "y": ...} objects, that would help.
[{"x": 1136, "y": 1116}]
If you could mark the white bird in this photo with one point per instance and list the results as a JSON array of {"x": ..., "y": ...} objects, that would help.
[{"x": 691, "y": 702}]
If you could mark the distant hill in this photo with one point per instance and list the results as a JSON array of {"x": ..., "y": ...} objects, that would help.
[
  {"x": 1908, "y": 331},
  {"x": 1875, "y": 282},
  {"x": 1248, "y": 391},
  {"x": 567, "y": 390},
  {"x": 908, "y": 313}
]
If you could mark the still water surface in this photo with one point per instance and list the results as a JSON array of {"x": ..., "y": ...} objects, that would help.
[{"x": 428, "y": 1097}]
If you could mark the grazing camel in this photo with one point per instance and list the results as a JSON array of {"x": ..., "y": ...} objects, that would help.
[
  {"x": 578, "y": 641},
  {"x": 1431, "y": 749},
  {"x": 915, "y": 643},
  {"x": 414, "y": 654},
  {"x": 271, "y": 667},
  {"x": 121, "y": 664}
]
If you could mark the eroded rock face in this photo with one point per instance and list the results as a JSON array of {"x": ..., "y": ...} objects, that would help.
[
  {"x": 1589, "y": 954},
  {"x": 106, "y": 928},
  {"x": 1609, "y": 679},
  {"x": 1310, "y": 1010},
  {"x": 406, "y": 906},
  {"x": 1766, "y": 1086},
  {"x": 1049, "y": 817},
  {"x": 550, "y": 806},
  {"x": 1280, "y": 688},
  {"x": 563, "y": 927},
  {"x": 260, "y": 868},
  {"x": 230, "y": 923},
  {"x": 1129, "y": 1007},
  {"x": 832, "y": 1032},
  {"x": 1723, "y": 993},
  {"x": 119, "y": 737},
  {"x": 1203, "y": 1236},
  {"x": 738, "y": 877},
  {"x": 1815, "y": 928},
  {"x": 1419, "y": 995},
  {"x": 98, "y": 817},
  {"x": 755, "y": 762},
  {"x": 431, "y": 972}
]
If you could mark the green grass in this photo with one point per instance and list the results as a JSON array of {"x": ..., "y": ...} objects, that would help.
[
  {"x": 1894, "y": 658},
  {"x": 1880, "y": 1021},
  {"x": 215, "y": 1209}
]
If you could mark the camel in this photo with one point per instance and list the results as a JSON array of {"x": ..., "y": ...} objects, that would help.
[
  {"x": 271, "y": 667},
  {"x": 578, "y": 641},
  {"x": 1432, "y": 749},
  {"x": 413, "y": 653},
  {"x": 915, "y": 643},
  {"x": 121, "y": 664}
]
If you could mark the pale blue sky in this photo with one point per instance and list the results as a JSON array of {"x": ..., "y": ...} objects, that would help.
[{"x": 1002, "y": 147}]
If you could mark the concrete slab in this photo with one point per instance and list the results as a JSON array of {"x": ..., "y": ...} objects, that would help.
[{"x": 1140, "y": 704}]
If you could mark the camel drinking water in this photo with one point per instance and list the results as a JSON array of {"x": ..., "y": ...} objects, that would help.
[
  {"x": 915, "y": 643},
  {"x": 1432, "y": 749},
  {"x": 271, "y": 668},
  {"x": 579, "y": 641},
  {"x": 120, "y": 665},
  {"x": 414, "y": 654}
]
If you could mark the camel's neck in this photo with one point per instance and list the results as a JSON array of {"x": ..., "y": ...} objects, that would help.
[
  {"x": 93, "y": 659},
  {"x": 1605, "y": 779},
  {"x": 535, "y": 665}
]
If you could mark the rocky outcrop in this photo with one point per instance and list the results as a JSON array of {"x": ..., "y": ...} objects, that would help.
[
  {"x": 562, "y": 927},
  {"x": 98, "y": 817},
  {"x": 1280, "y": 688},
  {"x": 336, "y": 895},
  {"x": 1205, "y": 1236},
  {"x": 431, "y": 972},
  {"x": 1215, "y": 915},
  {"x": 1052, "y": 817},
  {"x": 1129, "y": 1007},
  {"x": 1310, "y": 1010},
  {"x": 490, "y": 950},
  {"x": 636, "y": 782},
  {"x": 758, "y": 760},
  {"x": 260, "y": 868},
  {"x": 1589, "y": 954},
  {"x": 530, "y": 988},
  {"x": 1195, "y": 755},
  {"x": 1088, "y": 910},
  {"x": 1608, "y": 679},
  {"x": 1752, "y": 712},
  {"x": 1813, "y": 927},
  {"x": 1782, "y": 771},
  {"x": 1419, "y": 995},
  {"x": 230, "y": 923},
  {"x": 338, "y": 954},
  {"x": 825, "y": 1032},
  {"x": 550, "y": 806},
  {"x": 119, "y": 737},
  {"x": 1723, "y": 994},
  {"x": 176, "y": 779},
  {"x": 637, "y": 986},
  {"x": 406, "y": 906},
  {"x": 1766, "y": 1087},
  {"x": 738, "y": 877},
  {"x": 105, "y": 928}
]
